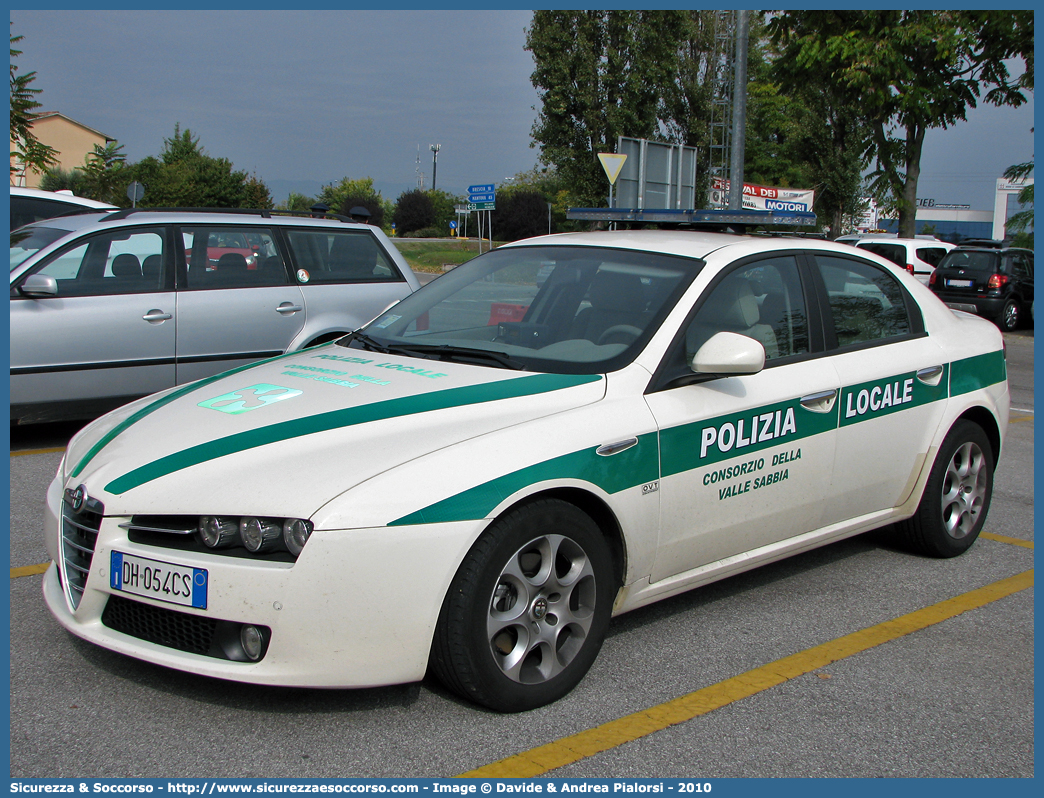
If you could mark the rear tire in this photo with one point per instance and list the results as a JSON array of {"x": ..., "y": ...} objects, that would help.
[
  {"x": 956, "y": 498},
  {"x": 1010, "y": 316},
  {"x": 528, "y": 609}
]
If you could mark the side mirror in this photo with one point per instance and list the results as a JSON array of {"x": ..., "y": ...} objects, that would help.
[
  {"x": 729, "y": 353},
  {"x": 40, "y": 285}
]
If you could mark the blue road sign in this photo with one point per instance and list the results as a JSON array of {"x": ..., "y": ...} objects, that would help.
[
  {"x": 483, "y": 189},
  {"x": 490, "y": 197}
]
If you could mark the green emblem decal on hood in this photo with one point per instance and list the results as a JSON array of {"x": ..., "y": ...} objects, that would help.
[
  {"x": 346, "y": 417},
  {"x": 251, "y": 398}
]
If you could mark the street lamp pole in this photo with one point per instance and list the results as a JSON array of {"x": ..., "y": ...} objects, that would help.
[{"x": 434, "y": 162}]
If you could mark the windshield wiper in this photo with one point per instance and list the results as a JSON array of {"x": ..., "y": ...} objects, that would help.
[
  {"x": 437, "y": 351},
  {"x": 462, "y": 353},
  {"x": 371, "y": 343}
]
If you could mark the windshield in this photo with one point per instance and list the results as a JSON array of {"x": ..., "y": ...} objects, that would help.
[
  {"x": 556, "y": 309},
  {"x": 27, "y": 241}
]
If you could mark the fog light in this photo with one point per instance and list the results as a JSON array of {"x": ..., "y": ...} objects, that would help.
[
  {"x": 217, "y": 533},
  {"x": 252, "y": 641},
  {"x": 295, "y": 534},
  {"x": 260, "y": 534}
]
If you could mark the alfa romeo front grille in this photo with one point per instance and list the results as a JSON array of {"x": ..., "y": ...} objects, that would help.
[{"x": 81, "y": 519}]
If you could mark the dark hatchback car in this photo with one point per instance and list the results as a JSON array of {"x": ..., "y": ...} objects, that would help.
[{"x": 995, "y": 282}]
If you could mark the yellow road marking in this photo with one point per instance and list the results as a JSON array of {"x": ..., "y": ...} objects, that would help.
[
  {"x": 1017, "y": 419},
  {"x": 29, "y": 570},
  {"x": 538, "y": 761},
  {"x": 37, "y": 451},
  {"x": 1028, "y": 544}
]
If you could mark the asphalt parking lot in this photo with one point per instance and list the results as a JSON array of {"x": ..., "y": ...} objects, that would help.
[{"x": 856, "y": 659}]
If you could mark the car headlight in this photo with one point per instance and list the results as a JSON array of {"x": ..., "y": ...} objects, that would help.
[
  {"x": 257, "y": 535},
  {"x": 218, "y": 533},
  {"x": 295, "y": 534},
  {"x": 260, "y": 534}
]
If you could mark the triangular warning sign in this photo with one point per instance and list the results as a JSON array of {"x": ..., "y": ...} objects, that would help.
[{"x": 612, "y": 164}]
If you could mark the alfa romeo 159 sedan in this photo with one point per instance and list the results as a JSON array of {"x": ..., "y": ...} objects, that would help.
[{"x": 559, "y": 431}]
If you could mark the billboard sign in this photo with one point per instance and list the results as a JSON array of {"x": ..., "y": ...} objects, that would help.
[{"x": 764, "y": 198}]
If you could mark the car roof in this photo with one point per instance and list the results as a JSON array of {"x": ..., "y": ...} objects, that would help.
[
  {"x": 920, "y": 241},
  {"x": 60, "y": 196},
  {"x": 139, "y": 217},
  {"x": 686, "y": 243}
]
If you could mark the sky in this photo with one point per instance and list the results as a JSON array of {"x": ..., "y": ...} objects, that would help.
[{"x": 306, "y": 98}]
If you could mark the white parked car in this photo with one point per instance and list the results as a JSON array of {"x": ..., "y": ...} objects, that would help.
[
  {"x": 445, "y": 488},
  {"x": 30, "y": 205},
  {"x": 919, "y": 256}
]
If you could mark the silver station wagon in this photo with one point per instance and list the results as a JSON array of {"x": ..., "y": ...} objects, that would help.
[{"x": 109, "y": 307}]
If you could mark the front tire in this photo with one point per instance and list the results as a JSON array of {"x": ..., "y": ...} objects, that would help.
[
  {"x": 957, "y": 496},
  {"x": 528, "y": 609}
]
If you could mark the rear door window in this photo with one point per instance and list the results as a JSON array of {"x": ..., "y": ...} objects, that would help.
[
  {"x": 325, "y": 256},
  {"x": 867, "y": 304},
  {"x": 232, "y": 257}
]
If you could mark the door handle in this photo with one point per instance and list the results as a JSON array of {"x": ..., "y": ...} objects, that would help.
[
  {"x": 156, "y": 316},
  {"x": 609, "y": 449},
  {"x": 931, "y": 375},
  {"x": 821, "y": 402},
  {"x": 288, "y": 308}
]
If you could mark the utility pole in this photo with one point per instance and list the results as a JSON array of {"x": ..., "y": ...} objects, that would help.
[
  {"x": 739, "y": 112},
  {"x": 434, "y": 162}
]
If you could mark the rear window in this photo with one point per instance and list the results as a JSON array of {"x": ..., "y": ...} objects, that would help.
[
  {"x": 896, "y": 253},
  {"x": 974, "y": 261}
]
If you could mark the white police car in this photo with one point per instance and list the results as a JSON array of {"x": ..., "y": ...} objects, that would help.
[{"x": 479, "y": 478}]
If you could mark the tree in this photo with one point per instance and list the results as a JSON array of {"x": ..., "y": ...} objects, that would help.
[
  {"x": 599, "y": 75},
  {"x": 907, "y": 72},
  {"x": 520, "y": 213},
  {"x": 58, "y": 179},
  {"x": 348, "y": 194},
  {"x": 105, "y": 174},
  {"x": 414, "y": 211},
  {"x": 184, "y": 176},
  {"x": 1020, "y": 224},
  {"x": 28, "y": 152},
  {"x": 256, "y": 194}
]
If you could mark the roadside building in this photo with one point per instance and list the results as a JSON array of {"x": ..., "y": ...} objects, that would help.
[{"x": 71, "y": 140}]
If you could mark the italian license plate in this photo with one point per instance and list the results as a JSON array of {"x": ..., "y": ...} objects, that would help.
[
  {"x": 176, "y": 584},
  {"x": 959, "y": 283}
]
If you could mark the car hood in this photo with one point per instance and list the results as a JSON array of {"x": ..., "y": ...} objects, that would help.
[{"x": 285, "y": 436}]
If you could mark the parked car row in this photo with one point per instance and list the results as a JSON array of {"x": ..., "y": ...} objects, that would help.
[
  {"x": 989, "y": 278},
  {"x": 918, "y": 256},
  {"x": 108, "y": 307}
]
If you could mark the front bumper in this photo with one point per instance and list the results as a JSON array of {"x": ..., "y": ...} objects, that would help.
[{"x": 357, "y": 609}]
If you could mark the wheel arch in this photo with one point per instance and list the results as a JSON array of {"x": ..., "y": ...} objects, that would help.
[
  {"x": 987, "y": 422},
  {"x": 598, "y": 510},
  {"x": 325, "y": 338}
]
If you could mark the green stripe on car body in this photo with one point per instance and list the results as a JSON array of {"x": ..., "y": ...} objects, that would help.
[
  {"x": 614, "y": 473},
  {"x": 878, "y": 398},
  {"x": 709, "y": 441},
  {"x": 163, "y": 401},
  {"x": 346, "y": 417},
  {"x": 980, "y": 371},
  {"x": 687, "y": 447}
]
